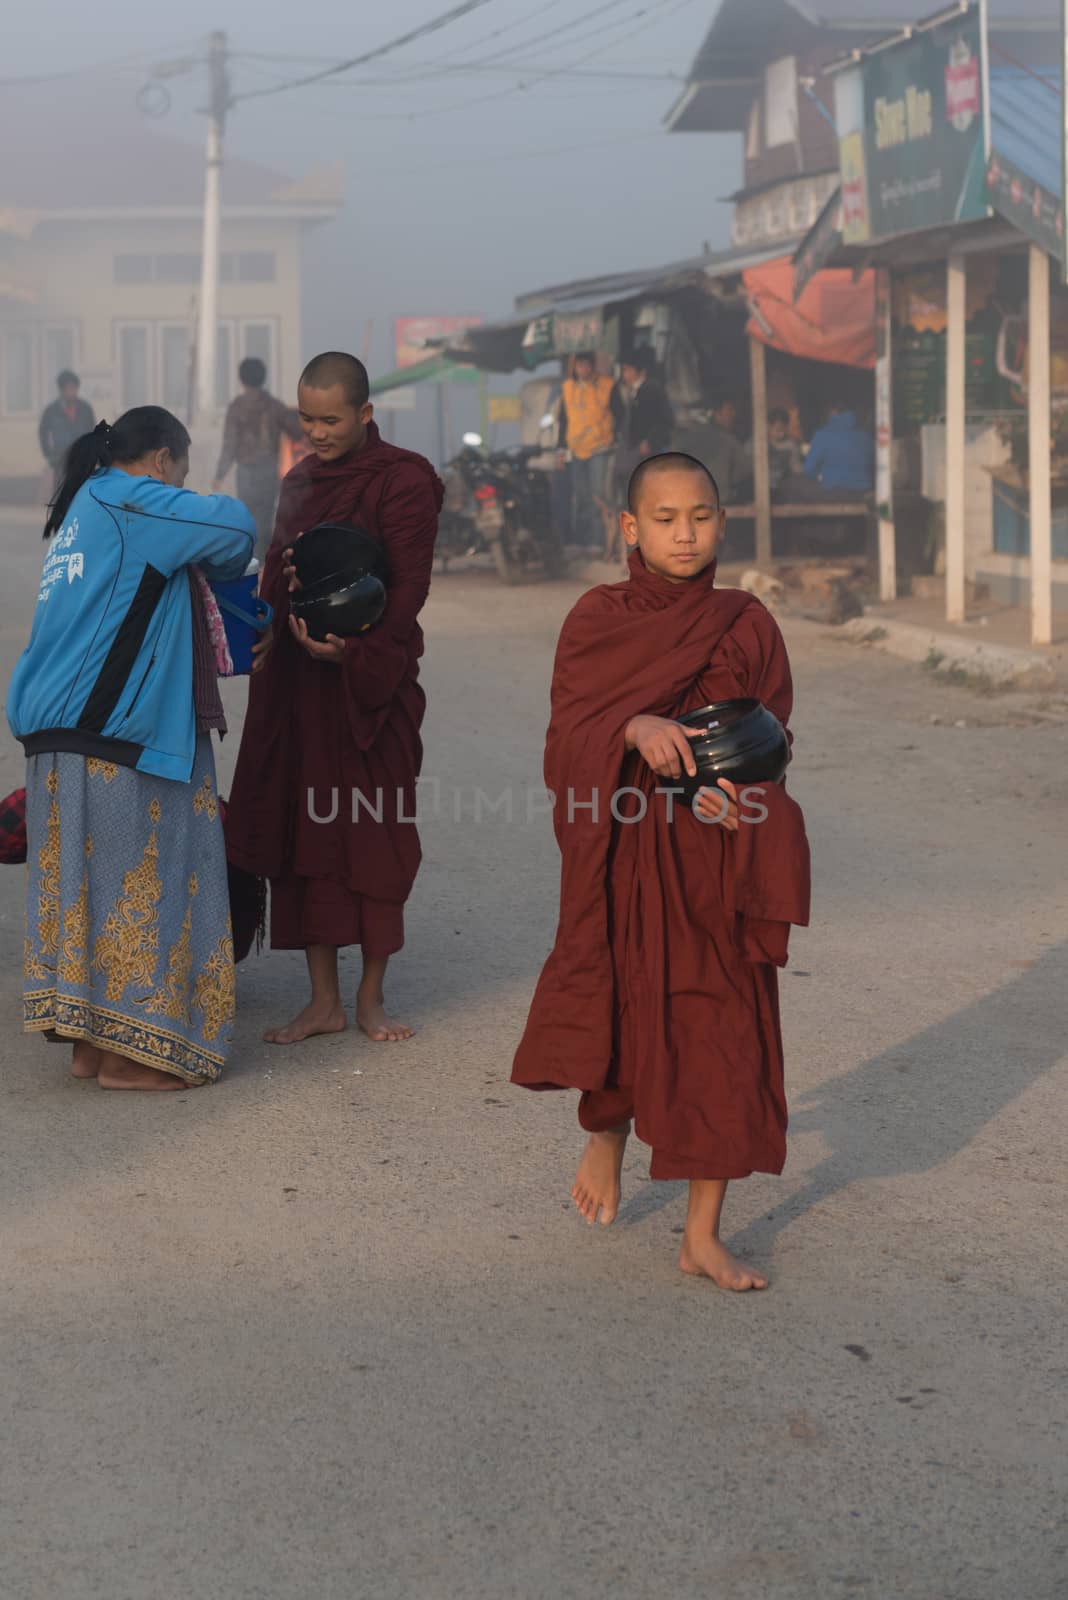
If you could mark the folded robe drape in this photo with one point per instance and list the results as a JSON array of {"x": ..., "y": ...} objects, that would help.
[{"x": 662, "y": 976}]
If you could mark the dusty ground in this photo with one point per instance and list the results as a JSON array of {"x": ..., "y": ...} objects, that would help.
[{"x": 330, "y": 1329}]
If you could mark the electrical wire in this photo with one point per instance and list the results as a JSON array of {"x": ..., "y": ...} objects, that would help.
[
  {"x": 441, "y": 21},
  {"x": 546, "y": 75},
  {"x": 139, "y": 59}
]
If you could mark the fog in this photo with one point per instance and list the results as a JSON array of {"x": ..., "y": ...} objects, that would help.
[{"x": 463, "y": 187}]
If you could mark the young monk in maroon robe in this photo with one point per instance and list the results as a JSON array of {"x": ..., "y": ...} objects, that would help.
[
  {"x": 327, "y": 721},
  {"x": 659, "y": 1000}
]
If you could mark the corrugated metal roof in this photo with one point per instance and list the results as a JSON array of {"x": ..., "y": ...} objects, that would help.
[
  {"x": 586, "y": 293},
  {"x": 745, "y": 35},
  {"x": 1025, "y": 123}
]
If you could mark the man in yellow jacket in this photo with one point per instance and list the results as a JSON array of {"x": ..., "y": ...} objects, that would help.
[{"x": 587, "y": 431}]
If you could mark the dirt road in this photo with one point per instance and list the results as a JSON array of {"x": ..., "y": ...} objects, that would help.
[{"x": 330, "y": 1329}]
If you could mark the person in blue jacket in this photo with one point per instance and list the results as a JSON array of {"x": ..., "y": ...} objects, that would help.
[
  {"x": 841, "y": 456},
  {"x": 129, "y": 950}
]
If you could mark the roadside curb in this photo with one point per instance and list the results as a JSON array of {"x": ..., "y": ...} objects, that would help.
[{"x": 947, "y": 655}]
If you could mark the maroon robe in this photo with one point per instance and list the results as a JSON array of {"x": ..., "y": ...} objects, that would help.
[
  {"x": 659, "y": 1000},
  {"x": 339, "y": 730}
]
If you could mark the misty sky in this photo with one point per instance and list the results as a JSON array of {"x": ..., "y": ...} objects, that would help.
[{"x": 462, "y": 189}]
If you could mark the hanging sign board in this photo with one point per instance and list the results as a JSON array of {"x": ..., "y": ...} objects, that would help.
[{"x": 912, "y": 133}]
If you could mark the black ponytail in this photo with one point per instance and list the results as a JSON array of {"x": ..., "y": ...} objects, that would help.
[{"x": 137, "y": 433}]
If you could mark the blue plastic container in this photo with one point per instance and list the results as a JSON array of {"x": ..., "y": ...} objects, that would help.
[{"x": 245, "y": 616}]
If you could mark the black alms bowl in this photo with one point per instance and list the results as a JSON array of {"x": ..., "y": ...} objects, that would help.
[
  {"x": 339, "y": 605},
  {"x": 741, "y": 740},
  {"x": 338, "y": 547}
]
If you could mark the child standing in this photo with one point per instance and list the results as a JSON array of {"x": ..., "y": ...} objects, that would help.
[{"x": 659, "y": 1001}]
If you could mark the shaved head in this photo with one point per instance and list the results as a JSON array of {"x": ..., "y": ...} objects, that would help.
[
  {"x": 335, "y": 369},
  {"x": 669, "y": 461}
]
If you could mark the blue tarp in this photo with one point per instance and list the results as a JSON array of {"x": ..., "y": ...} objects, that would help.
[{"x": 1025, "y": 123}]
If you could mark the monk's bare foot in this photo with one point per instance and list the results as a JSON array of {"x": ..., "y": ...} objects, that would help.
[
  {"x": 118, "y": 1073},
  {"x": 708, "y": 1258},
  {"x": 597, "y": 1184},
  {"x": 314, "y": 1019},
  {"x": 372, "y": 1019},
  {"x": 85, "y": 1061}
]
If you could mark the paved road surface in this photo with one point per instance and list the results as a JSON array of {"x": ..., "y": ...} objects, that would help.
[{"x": 329, "y": 1329}]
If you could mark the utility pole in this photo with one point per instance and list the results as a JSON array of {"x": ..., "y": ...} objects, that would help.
[{"x": 208, "y": 318}]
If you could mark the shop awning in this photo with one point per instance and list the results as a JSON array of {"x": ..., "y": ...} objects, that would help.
[
  {"x": 566, "y": 317},
  {"x": 832, "y": 320},
  {"x": 1023, "y": 178},
  {"x": 1024, "y": 173},
  {"x": 435, "y": 369}
]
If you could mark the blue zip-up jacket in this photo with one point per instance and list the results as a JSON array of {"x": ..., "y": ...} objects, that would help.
[
  {"x": 841, "y": 455},
  {"x": 108, "y": 670}
]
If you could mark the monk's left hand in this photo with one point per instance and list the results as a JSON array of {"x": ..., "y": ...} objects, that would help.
[
  {"x": 329, "y": 649},
  {"x": 719, "y": 804},
  {"x": 289, "y": 571}
]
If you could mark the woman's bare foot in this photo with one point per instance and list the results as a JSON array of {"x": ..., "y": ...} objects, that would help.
[
  {"x": 372, "y": 1019},
  {"x": 85, "y": 1060},
  {"x": 314, "y": 1019},
  {"x": 597, "y": 1184},
  {"x": 708, "y": 1258},
  {"x": 118, "y": 1073}
]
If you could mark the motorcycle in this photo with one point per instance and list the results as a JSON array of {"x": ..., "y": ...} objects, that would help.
[{"x": 500, "y": 504}]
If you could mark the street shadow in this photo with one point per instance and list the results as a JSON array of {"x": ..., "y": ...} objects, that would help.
[{"x": 914, "y": 1106}]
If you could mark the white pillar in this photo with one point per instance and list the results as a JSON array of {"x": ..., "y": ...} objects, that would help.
[
  {"x": 208, "y": 309},
  {"x": 761, "y": 466},
  {"x": 1038, "y": 434},
  {"x": 884, "y": 441},
  {"x": 956, "y": 313}
]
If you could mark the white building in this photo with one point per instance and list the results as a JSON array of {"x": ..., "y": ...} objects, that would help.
[{"x": 100, "y": 268}]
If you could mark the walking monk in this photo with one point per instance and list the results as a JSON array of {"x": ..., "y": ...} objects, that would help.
[
  {"x": 659, "y": 1000},
  {"x": 330, "y": 721}
]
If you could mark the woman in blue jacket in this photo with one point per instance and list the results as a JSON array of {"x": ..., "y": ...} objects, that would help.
[{"x": 129, "y": 951}]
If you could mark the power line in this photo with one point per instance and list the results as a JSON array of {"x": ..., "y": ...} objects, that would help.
[
  {"x": 551, "y": 33},
  {"x": 441, "y": 21},
  {"x": 547, "y": 74},
  {"x": 496, "y": 33},
  {"x": 138, "y": 59}
]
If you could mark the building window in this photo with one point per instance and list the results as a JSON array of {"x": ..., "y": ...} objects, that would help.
[
  {"x": 58, "y": 353},
  {"x": 752, "y": 138},
  {"x": 134, "y": 380},
  {"x": 183, "y": 266},
  {"x": 133, "y": 269},
  {"x": 256, "y": 341},
  {"x": 175, "y": 368},
  {"x": 225, "y": 377},
  {"x": 248, "y": 266},
  {"x": 176, "y": 267},
  {"x": 780, "y": 102},
  {"x": 18, "y": 372}
]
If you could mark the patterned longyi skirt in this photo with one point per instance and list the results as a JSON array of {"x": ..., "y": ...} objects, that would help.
[{"x": 128, "y": 937}]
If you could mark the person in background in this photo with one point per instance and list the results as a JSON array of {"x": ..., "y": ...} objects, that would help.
[
  {"x": 588, "y": 432},
  {"x": 716, "y": 444},
  {"x": 255, "y": 425},
  {"x": 129, "y": 952},
  {"x": 63, "y": 421},
  {"x": 644, "y": 423},
  {"x": 785, "y": 460},
  {"x": 841, "y": 457}
]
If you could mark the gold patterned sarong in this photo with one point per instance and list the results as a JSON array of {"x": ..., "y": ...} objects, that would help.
[{"x": 128, "y": 937}]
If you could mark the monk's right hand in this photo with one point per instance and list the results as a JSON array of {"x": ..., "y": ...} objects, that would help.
[{"x": 663, "y": 745}]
